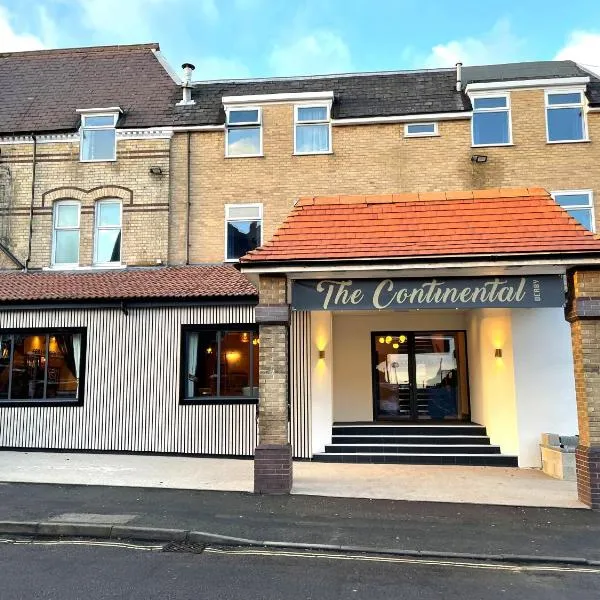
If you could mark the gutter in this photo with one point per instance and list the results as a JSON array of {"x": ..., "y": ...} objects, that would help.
[
  {"x": 188, "y": 199},
  {"x": 33, "y": 165}
]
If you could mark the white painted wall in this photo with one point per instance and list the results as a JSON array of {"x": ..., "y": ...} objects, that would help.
[
  {"x": 352, "y": 369},
  {"x": 321, "y": 379},
  {"x": 544, "y": 379},
  {"x": 491, "y": 379}
]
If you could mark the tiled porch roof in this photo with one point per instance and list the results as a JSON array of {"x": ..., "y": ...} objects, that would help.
[
  {"x": 405, "y": 226},
  {"x": 178, "y": 283}
]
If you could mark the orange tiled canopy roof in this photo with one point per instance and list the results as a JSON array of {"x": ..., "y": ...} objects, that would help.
[{"x": 494, "y": 221}]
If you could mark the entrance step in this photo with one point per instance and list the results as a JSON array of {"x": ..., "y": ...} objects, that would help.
[{"x": 418, "y": 443}]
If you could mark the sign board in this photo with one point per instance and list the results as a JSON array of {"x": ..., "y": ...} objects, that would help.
[{"x": 439, "y": 292}]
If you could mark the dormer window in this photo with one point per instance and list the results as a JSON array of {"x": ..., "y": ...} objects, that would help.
[{"x": 98, "y": 136}]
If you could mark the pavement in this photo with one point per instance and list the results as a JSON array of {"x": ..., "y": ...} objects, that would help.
[
  {"x": 424, "y": 483},
  {"x": 351, "y": 524}
]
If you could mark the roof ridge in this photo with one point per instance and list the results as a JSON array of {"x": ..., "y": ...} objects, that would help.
[{"x": 82, "y": 50}]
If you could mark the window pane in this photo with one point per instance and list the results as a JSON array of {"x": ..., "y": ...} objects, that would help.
[
  {"x": 5, "y": 347},
  {"x": 98, "y": 144},
  {"x": 490, "y": 128},
  {"x": 64, "y": 364},
  {"x": 29, "y": 363},
  {"x": 312, "y": 113},
  {"x": 573, "y": 199},
  {"x": 312, "y": 138},
  {"x": 243, "y": 212},
  {"x": 243, "y": 116},
  {"x": 420, "y": 128},
  {"x": 242, "y": 236},
  {"x": 235, "y": 363},
  {"x": 489, "y": 102},
  {"x": 109, "y": 213},
  {"x": 565, "y": 124},
  {"x": 95, "y": 121},
  {"x": 201, "y": 368},
  {"x": 570, "y": 98},
  {"x": 583, "y": 215},
  {"x": 245, "y": 140},
  {"x": 108, "y": 246},
  {"x": 67, "y": 246},
  {"x": 67, "y": 215}
]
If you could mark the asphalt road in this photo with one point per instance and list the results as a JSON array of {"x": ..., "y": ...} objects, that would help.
[{"x": 69, "y": 572}]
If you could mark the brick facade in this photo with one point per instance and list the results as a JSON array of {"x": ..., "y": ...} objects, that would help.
[
  {"x": 366, "y": 159},
  {"x": 583, "y": 312},
  {"x": 60, "y": 175}
]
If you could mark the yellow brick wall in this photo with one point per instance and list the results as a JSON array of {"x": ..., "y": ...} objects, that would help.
[
  {"x": 366, "y": 159},
  {"x": 145, "y": 197}
]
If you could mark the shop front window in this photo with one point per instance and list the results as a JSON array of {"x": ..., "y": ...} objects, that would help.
[
  {"x": 38, "y": 367},
  {"x": 220, "y": 365}
]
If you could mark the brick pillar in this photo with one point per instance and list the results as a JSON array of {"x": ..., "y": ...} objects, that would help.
[
  {"x": 273, "y": 457},
  {"x": 583, "y": 312}
]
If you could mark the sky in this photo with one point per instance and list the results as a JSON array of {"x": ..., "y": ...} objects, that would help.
[{"x": 265, "y": 38}]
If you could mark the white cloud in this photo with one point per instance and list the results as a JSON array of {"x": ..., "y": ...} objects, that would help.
[
  {"x": 13, "y": 41},
  {"x": 214, "y": 67},
  {"x": 320, "y": 52},
  {"x": 582, "y": 47},
  {"x": 498, "y": 45}
]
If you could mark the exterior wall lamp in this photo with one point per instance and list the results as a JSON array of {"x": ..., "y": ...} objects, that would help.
[
  {"x": 479, "y": 158},
  {"x": 498, "y": 353},
  {"x": 321, "y": 354}
]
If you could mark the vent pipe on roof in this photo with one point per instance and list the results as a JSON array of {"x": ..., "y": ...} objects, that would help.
[
  {"x": 186, "y": 84},
  {"x": 458, "y": 76}
]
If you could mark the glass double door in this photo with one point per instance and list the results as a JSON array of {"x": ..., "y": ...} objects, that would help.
[{"x": 419, "y": 376}]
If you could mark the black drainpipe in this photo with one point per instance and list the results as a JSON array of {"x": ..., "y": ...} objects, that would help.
[
  {"x": 33, "y": 164},
  {"x": 188, "y": 192}
]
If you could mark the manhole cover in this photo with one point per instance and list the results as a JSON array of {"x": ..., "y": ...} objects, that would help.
[{"x": 184, "y": 547}]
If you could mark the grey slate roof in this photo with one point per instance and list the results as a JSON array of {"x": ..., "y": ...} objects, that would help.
[{"x": 40, "y": 90}]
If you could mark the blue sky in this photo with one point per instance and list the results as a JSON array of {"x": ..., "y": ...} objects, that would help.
[{"x": 258, "y": 38}]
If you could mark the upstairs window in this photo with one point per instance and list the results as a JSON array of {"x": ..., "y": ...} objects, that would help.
[
  {"x": 565, "y": 118},
  {"x": 420, "y": 129},
  {"x": 98, "y": 137},
  {"x": 244, "y": 132},
  {"x": 243, "y": 223},
  {"x": 107, "y": 236},
  {"x": 312, "y": 130},
  {"x": 65, "y": 238},
  {"x": 491, "y": 120},
  {"x": 579, "y": 204}
]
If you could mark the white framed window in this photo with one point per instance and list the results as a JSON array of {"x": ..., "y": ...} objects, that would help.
[
  {"x": 420, "y": 129},
  {"x": 312, "y": 129},
  {"x": 65, "y": 233},
  {"x": 565, "y": 116},
  {"x": 243, "y": 136},
  {"x": 491, "y": 122},
  {"x": 243, "y": 229},
  {"x": 107, "y": 233},
  {"x": 98, "y": 137},
  {"x": 579, "y": 204}
]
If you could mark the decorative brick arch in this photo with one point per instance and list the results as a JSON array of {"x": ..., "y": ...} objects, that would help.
[{"x": 87, "y": 196}]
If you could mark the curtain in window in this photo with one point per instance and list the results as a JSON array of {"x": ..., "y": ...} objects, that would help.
[
  {"x": 312, "y": 138},
  {"x": 192, "y": 362}
]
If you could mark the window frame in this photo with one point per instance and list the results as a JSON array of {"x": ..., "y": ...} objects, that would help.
[
  {"x": 55, "y": 206},
  {"x": 434, "y": 133},
  {"x": 83, "y": 126},
  {"x": 508, "y": 110},
  {"x": 244, "y": 125},
  {"x": 326, "y": 121},
  {"x": 583, "y": 105},
  {"x": 258, "y": 205},
  {"x": 97, "y": 228},
  {"x": 45, "y": 402},
  {"x": 590, "y": 206},
  {"x": 220, "y": 328}
]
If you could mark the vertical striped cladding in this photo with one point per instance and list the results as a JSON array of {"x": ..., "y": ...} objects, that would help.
[
  {"x": 300, "y": 396},
  {"x": 131, "y": 400}
]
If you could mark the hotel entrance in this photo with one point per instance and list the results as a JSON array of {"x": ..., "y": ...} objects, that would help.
[{"x": 419, "y": 376}]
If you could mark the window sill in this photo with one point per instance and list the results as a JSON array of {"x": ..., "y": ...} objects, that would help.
[
  {"x": 98, "y": 160},
  {"x": 244, "y": 156},
  {"x": 41, "y": 403},
  {"x": 587, "y": 141},
  {"x": 492, "y": 145},
  {"x": 312, "y": 153},
  {"x": 423, "y": 135},
  {"x": 83, "y": 268},
  {"x": 219, "y": 400}
]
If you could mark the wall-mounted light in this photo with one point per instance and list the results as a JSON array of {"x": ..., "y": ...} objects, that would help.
[
  {"x": 321, "y": 354},
  {"x": 498, "y": 353},
  {"x": 479, "y": 158},
  {"x": 156, "y": 170}
]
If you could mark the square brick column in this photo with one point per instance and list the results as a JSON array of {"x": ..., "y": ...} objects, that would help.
[
  {"x": 583, "y": 312},
  {"x": 273, "y": 456}
]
